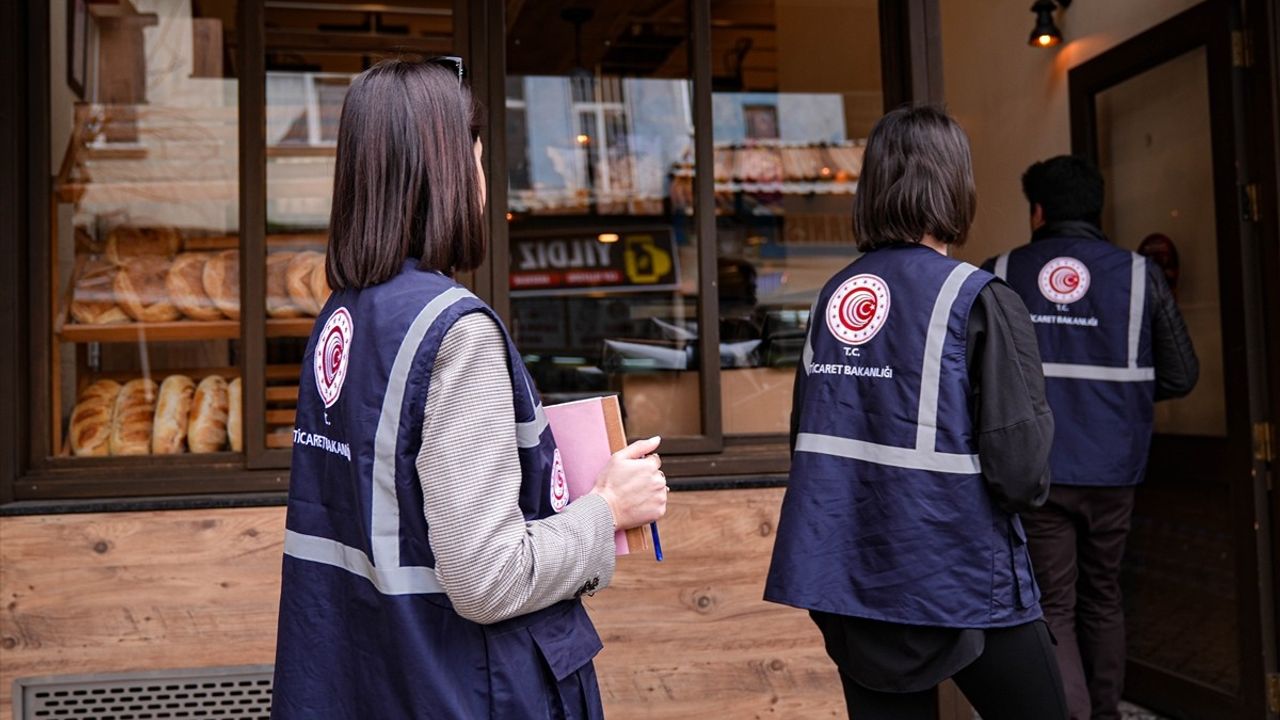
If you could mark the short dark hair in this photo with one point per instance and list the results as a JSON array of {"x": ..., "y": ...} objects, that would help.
[
  {"x": 405, "y": 182},
  {"x": 917, "y": 179},
  {"x": 1066, "y": 187}
]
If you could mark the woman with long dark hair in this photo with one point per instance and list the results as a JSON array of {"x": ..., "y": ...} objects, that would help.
[
  {"x": 920, "y": 429},
  {"x": 432, "y": 569}
]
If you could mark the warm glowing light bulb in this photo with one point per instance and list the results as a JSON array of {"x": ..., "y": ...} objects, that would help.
[
  {"x": 1045, "y": 40},
  {"x": 509, "y": 216},
  {"x": 583, "y": 138},
  {"x": 607, "y": 237}
]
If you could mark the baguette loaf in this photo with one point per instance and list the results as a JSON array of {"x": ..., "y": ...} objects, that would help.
[
  {"x": 298, "y": 281},
  {"x": 185, "y": 286},
  {"x": 278, "y": 303},
  {"x": 234, "y": 416},
  {"x": 93, "y": 301},
  {"x": 207, "y": 430},
  {"x": 132, "y": 418},
  {"x": 169, "y": 434},
  {"x": 222, "y": 282},
  {"x": 90, "y": 433},
  {"x": 140, "y": 290}
]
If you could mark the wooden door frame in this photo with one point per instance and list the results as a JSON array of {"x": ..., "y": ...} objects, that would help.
[{"x": 1210, "y": 25}]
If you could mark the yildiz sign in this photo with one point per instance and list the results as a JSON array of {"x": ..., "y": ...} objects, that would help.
[{"x": 578, "y": 261}]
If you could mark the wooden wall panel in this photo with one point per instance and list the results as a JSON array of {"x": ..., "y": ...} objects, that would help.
[{"x": 689, "y": 638}]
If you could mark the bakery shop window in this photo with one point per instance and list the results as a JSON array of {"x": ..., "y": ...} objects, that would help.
[
  {"x": 603, "y": 243},
  {"x": 146, "y": 252},
  {"x": 797, "y": 87},
  {"x": 145, "y": 244}
]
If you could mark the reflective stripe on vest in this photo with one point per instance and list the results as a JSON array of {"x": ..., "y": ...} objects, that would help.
[
  {"x": 1131, "y": 372},
  {"x": 384, "y": 569},
  {"x": 923, "y": 456}
]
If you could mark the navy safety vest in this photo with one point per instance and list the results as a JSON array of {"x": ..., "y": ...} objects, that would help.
[
  {"x": 886, "y": 514},
  {"x": 366, "y": 630},
  {"x": 1088, "y": 302}
]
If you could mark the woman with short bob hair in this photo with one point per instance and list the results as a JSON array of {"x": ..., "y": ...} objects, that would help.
[
  {"x": 919, "y": 430},
  {"x": 432, "y": 568}
]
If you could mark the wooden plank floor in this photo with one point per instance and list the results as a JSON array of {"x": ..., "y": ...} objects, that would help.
[{"x": 689, "y": 638}]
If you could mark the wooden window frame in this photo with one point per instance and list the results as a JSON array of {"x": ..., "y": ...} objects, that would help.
[{"x": 30, "y": 472}]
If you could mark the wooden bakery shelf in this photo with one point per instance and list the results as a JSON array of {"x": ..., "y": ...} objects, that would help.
[{"x": 180, "y": 330}]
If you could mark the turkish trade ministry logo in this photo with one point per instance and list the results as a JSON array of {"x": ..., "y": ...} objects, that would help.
[
  {"x": 332, "y": 351},
  {"x": 559, "y": 484},
  {"x": 858, "y": 309},
  {"x": 1064, "y": 280}
]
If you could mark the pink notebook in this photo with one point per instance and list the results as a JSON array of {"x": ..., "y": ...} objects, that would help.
[{"x": 588, "y": 432}]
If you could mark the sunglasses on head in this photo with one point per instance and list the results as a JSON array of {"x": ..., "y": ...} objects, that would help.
[{"x": 452, "y": 63}]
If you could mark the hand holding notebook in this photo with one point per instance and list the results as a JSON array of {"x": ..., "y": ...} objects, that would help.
[{"x": 588, "y": 433}]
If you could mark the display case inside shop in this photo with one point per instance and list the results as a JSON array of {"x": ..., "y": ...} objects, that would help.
[{"x": 145, "y": 253}]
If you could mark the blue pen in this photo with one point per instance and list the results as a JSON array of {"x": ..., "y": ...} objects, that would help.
[{"x": 657, "y": 543}]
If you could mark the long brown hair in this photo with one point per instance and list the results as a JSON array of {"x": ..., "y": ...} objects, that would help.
[{"x": 405, "y": 183}]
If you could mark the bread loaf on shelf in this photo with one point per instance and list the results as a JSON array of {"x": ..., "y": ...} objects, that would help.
[
  {"x": 222, "y": 282},
  {"x": 90, "y": 433},
  {"x": 126, "y": 243},
  {"x": 132, "y": 417},
  {"x": 320, "y": 284},
  {"x": 93, "y": 297},
  {"x": 279, "y": 305},
  {"x": 185, "y": 286},
  {"x": 235, "y": 416},
  {"x": 169, "y": 434},
  {"x": 140, "y": 290},
  {"x": 207, "y": 430},
  {"x": 298, "y": 281}
]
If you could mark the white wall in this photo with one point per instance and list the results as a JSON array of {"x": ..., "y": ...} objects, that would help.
[{"x": 1012, "y": 98}]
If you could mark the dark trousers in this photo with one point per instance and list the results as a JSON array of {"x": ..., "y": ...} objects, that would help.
[
  {"x": 1015, "y": 678},
  {"x": 1077, "y": 544}
]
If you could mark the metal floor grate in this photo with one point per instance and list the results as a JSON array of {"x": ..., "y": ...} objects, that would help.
[{"x": 227, "y": 693}]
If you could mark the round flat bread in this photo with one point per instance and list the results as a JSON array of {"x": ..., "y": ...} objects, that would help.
[
  {"x": 279, "y": 305},
  {"x": 222, "y": 282},
  {"x": 93, "y": 300},
  {"x": 126, "y": 243},
  {"x": 320, "y": 284},
  {"x": 298, "y": 281},
  {"x": 185, "y": 287},
  {"x": 140, "y": 290}
]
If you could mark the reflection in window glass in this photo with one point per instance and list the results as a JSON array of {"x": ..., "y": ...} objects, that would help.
[
  {"x": 797, "y": 89},
  {"x": 311, "y": 55},
  {"x": 603, "y": 249},
  {"x": 143, "y": 107}
]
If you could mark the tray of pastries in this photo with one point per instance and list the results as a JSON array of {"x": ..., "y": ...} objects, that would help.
[{"x": 140, "y": 417}]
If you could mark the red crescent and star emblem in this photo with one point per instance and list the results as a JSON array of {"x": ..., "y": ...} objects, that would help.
[
  {"x": 858, "y": 309},
  {"x": 332, "y": 351},
  {"x": 1064, "y": 280},
  {"x": 559, "y": 485}
]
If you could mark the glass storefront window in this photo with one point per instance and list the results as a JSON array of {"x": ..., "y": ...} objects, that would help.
[
  {"x": 797, "y": 89},
  {"x": 603, "y": 248},
  {"x": 145, "y": 229}
]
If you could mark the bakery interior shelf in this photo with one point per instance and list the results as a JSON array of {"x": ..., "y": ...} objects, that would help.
[{"x": 180, "y": 330}]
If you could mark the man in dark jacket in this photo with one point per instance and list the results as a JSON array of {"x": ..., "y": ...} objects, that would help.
[{"x": 1113, "y": 343}]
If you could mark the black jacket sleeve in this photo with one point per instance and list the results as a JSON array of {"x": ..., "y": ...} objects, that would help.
[
  {"x": 1011, "y": 416},
  {"x": 1177, "y": 368}
]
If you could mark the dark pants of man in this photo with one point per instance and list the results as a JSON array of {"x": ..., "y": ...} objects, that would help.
[
  {"x": 1015, "y": 678},
  {"x": 1077, "y": 544}
]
